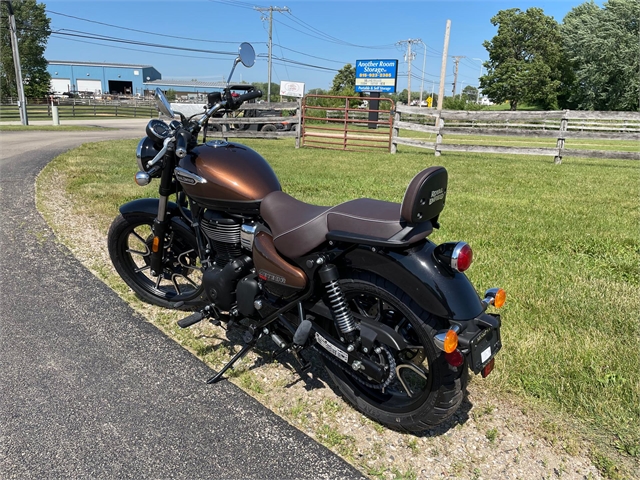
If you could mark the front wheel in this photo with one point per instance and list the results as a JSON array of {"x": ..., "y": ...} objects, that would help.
[
  {"x": 422, "y": 389},
  {"x": 130, "y": 240}
]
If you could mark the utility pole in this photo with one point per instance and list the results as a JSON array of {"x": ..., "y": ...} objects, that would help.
[
  {"x": 444, "y": 65},
  {"x": 22, "y": 104},
  {"x": 456, "y": 60},
  {"x": 410, "y": 57},
  {"x": 270, "y": 10},
  {"x": 481, "y": 62},
  {"x": 424, "y": 66}
]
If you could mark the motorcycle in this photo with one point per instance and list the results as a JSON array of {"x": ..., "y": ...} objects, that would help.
[{"x": 396, "y": 322}]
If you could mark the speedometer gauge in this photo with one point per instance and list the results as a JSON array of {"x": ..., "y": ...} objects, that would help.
[{"x": 157, "y": 130}]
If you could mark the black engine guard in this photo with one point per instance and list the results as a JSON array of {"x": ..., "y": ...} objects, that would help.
[{"x": 437, "y": 289}]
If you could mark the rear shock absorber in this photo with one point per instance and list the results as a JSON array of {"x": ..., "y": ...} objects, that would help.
[{"x": 342, "y": 313}]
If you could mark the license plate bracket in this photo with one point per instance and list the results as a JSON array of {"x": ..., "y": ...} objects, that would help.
[{"x": 484, "y": 346}]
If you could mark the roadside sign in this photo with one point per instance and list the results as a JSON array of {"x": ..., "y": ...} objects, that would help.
[
  {"x": 376, "y": 75},
  {"x": 292, "y": 89}
]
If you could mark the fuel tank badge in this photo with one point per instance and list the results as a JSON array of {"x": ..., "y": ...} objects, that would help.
[
  {"x": 217, "y": 143},
  {"x": 185, "y": 176}
]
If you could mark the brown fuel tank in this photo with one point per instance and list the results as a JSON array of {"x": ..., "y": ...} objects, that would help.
[{"x": 227, "y": 176}]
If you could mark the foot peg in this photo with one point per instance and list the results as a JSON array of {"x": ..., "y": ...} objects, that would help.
[
  {"x": 191, "y": 320},
  {"x": 302, "y": 333}
]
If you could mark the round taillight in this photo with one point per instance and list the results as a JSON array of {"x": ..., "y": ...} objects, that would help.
[
  {"x": 461, "y": 257},
  {"x": 455, "y": 358}
]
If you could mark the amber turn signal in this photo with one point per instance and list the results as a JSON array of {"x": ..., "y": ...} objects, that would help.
[
  {"x": 500, "y": 298},
  {"x": 450, "y": 341}
]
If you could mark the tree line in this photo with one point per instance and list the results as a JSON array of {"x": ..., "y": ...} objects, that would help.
[{"x": 590, "y": 61}]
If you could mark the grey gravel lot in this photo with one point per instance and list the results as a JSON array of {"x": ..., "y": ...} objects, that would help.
[{"x": 90, "y": 389}]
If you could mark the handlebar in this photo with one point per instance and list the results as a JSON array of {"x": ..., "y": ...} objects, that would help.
[
  {"x": 230, "y": 103},
  {"x": 248, "y": 96},
  {"x": 182, "y": 140}
]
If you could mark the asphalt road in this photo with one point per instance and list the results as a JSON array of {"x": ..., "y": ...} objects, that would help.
[{"x": 88, "y": 388}]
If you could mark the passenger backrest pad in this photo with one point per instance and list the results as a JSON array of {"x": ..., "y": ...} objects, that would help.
[{"x": 425, "y": 196}]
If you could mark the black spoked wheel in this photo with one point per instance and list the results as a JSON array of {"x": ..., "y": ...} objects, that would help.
[
  {"x": 130, "y": 249},
  {"x": 422, "y": 389}
]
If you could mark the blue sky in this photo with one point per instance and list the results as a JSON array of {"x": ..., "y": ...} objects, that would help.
[{"x": 325, "y": 34}]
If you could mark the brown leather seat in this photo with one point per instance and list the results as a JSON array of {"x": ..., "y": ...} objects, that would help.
[{"x": 299, "y": 227}]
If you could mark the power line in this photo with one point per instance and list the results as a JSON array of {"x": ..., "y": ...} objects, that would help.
[
  {"x": 333, "y": 39},
  {"x": 294, "y": 62},
  {"x": 105, "y": 38},
  {"x": 108, "y": 38},
  {"x": 341, "y": 62},
  {"x": 233, "y": 3},
  {"x": 325, "y": 39},
  {"x": 181, "y": 55},
  {"x": 282, "y": 52},
  {"x": 139, "y": 31}
]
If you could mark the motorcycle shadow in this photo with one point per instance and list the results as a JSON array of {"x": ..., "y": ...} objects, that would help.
[{"x": 314, "y": 377}]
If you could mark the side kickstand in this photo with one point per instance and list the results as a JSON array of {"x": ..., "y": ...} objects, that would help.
[{"x": 243, "y": 351}]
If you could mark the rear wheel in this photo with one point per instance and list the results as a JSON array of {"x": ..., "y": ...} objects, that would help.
[
  {"x": 422, "y": 390},
  {"x": 130, "y": 240}
]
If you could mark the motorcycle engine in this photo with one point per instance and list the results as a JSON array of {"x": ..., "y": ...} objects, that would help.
[
  {"x": 230, "y": 239},
  {"x": 224, "y": 236}
]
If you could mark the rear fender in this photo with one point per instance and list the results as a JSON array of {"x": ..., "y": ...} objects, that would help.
[{"x": 438, "y": 290}]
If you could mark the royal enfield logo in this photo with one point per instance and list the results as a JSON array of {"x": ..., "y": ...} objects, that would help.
[
  {"x": 437, "y": 195},
  {"x": 187, "y": 177},
  {"x": 182, "y": 178},
  {"x": 271, "y": 277}
]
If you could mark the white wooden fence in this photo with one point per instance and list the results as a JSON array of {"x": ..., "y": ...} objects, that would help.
[{"x": 561, "y": 125}]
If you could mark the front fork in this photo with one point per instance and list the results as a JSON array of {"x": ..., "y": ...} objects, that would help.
[{"x": 161, "y": 222}]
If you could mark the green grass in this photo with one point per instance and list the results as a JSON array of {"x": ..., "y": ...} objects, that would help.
[{"x": 561, "y": 239}]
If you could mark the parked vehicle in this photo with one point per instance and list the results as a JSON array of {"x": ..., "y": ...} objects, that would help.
[
  {"x": 270, "y": 124},
  {"x": 394, "y": 318}
]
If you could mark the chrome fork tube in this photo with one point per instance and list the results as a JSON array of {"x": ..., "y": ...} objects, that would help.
[{"x": 160, "y": 222}]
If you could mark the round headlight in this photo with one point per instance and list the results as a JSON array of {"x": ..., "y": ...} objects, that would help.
[{"x": 145, "y": 152}]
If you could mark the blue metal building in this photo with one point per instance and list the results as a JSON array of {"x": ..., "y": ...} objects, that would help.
[{"x": 94, "y": 78}]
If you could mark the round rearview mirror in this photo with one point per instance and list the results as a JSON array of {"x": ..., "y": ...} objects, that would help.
[
  {"x": 247, "y": 54},
  {"x": 163, "y": 104}
]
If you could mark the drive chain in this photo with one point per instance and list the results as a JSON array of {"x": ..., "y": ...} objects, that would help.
[{"x": 349, "y": 371}]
